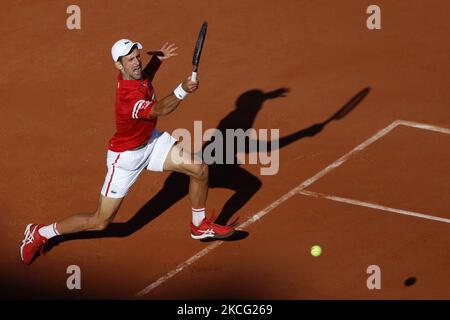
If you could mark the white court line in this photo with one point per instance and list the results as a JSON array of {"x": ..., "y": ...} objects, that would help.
[
  {"x": 287, "y": 196},
  {"x": 373, "y": 206},
  {"x": 423, "y": 126},
  {"x": 345, "y": 157},
  {"x": 179, "y": 268}
]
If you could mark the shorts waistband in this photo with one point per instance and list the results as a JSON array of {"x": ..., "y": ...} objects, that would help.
[{"x": 140, "y": 147}]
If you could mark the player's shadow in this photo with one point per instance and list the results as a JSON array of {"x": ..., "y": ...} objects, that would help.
[{"x": 231, "y": 176}]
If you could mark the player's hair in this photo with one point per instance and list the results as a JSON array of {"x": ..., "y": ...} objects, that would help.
[{"x": 131, "y": 50}]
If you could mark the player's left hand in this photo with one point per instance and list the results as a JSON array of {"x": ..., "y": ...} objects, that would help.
[{"x": 168, "y": 50}]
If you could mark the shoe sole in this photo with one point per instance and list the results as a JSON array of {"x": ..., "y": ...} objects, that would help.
[
  {"x": 26, "y": 233},
  {"x": 215, "y": 236}
]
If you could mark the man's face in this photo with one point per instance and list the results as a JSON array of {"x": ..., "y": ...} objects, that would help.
[{"x": 131, "y": 66}]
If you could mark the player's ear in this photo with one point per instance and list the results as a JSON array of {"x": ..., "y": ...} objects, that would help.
[{"x": 119, "y": 65}]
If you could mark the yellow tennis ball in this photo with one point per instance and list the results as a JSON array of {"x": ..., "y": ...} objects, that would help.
[{"x": 316, "y": 251}]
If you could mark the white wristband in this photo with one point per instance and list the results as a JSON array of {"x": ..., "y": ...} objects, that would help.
[{"x": 180, "y": 93}]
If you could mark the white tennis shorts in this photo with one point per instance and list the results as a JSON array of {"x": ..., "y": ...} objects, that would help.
[{"x": 125, "y": 167}]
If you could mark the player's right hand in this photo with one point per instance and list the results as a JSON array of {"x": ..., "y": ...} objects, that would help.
[{"x": 190, "y": 85}]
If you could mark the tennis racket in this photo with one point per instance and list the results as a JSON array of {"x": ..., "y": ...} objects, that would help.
[{"x": 198, "y": 50}]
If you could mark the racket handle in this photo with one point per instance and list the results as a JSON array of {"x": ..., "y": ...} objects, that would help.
[{"x": 194, "y": 76}]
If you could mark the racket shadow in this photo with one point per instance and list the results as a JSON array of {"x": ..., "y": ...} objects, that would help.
[{"x": 313, "y": 130}]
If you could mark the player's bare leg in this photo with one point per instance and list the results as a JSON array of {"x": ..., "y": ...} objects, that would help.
[
  {"x": 180, "y": 160},
  {"x": 95, "y": 221},
  {"x": 37, "y": 235}
]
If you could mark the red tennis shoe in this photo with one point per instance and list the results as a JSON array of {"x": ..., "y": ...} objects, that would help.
[
  {"x": 208, "y": 229},
  {"x": 33, "y": 243}
]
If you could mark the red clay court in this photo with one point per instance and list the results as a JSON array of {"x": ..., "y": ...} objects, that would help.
[{"x": 364, "y": 154}]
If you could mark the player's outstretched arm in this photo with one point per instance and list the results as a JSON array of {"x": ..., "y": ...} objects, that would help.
[
  {"x": 171, "y": 102},
  {"x": 167, "y": 51}
]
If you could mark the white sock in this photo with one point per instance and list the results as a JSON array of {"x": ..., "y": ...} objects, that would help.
[
  {"x": 197, "y": 216},
  {"x": 49, "y": 231}
]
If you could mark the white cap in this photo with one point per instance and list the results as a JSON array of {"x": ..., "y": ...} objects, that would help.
[{"x": 122, "y": 48}]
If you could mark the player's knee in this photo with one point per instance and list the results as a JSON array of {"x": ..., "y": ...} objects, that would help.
[
  {"x": 201, "y": 172},
  {"x": 99, "y": 224}
]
